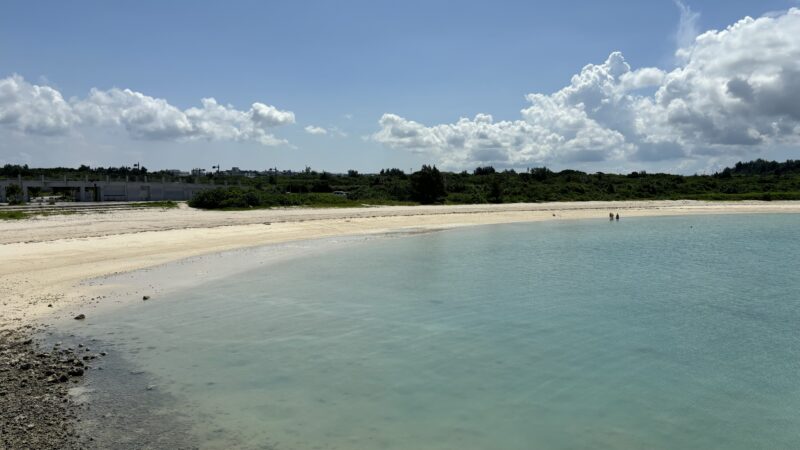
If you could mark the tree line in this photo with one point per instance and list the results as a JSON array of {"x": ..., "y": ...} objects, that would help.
[{"x": 758, "y": 180}]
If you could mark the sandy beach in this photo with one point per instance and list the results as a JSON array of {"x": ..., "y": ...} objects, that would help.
[{"x": 45, "y": 258}]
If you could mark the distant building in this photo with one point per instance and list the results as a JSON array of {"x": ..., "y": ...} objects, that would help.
[{"x": 237, "y": 172}]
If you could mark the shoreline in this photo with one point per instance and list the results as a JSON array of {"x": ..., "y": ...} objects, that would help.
[
  {"x": 50, "y": 276},
  {"x": 48, "y": 259}
]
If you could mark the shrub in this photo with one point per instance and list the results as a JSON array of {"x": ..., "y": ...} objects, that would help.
[{"x": 14, "y": 194}]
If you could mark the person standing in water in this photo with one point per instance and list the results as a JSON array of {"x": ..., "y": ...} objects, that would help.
[
  {"x": 617, "y": 216},
  {"x": 610, "y": 216}
]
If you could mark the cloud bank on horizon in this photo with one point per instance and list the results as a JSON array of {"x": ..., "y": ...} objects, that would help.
[
  {"x": 41, "y": 110},
  {"x": 733, "y": 93}
]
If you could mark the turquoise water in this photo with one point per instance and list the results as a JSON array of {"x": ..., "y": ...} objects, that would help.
[{"x": 678, "y": 332}]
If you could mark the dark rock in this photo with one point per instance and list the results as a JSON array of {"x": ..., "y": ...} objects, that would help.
[
  {"x": 80, "y": 317},
  {"x": 76, "y": 372},
  {"x": 146, "y": 297},
  {"x": 35, "y": 409}
]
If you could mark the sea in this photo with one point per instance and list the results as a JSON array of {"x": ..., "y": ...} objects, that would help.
[{"x": 646, "y": 333}]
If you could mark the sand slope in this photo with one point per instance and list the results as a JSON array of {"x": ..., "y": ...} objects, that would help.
[{"x": 44, "y": 258}]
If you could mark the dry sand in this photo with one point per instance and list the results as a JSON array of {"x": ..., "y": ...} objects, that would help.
[{"x": 45, "y": 258}]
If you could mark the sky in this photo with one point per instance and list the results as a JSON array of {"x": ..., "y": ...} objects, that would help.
[{"x": 664, "y": 85}]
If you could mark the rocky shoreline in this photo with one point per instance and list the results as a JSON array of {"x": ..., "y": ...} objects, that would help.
[
  {"x": 49, "y": 401},
  {"x": 36, "y": 408}
]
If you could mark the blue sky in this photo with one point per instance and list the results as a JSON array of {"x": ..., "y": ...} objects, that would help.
[{"x": 340, "y": 66}]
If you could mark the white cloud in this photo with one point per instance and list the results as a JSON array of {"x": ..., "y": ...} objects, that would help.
[
  {"x": 34, "y": 109},
  {"x": 737, "y": 91},
  {"x": 311, "y": 129},
  {"x": 688, "y": 27},
  {"x": 330, "y": 131},
  {"x": 338, "y": 132}
]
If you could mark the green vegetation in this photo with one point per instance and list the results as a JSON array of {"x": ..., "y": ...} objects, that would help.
[
  {"x": 13, "y": 215},
  {"x": 756, "y": 180},
  {"x": 14, "y": 194},
  {"x": 427, "y": 185},
  {"x": 248, "y": 197}
]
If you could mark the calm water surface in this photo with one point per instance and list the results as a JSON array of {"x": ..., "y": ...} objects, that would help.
[{"x": 680, "y": 332}]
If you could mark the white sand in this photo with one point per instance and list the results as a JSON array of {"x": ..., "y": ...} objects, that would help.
[{"x": 44, "y": 259}]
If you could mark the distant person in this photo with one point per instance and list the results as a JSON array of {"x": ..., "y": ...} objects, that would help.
[
  {"x": 617, "y": 216},
  {"x": 610, "y": 216}
]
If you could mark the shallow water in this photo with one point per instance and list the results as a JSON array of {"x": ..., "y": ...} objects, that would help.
[{"x": 676, "y": 332}]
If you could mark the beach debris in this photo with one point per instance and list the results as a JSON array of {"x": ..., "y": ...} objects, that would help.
[
  {"x": 146, "y": 297},
  {"x": 80, "y": 317}
]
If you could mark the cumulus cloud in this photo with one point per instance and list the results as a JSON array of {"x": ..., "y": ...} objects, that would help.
[
  {"x": 735, "y": 90},
  {"x": 42, "y": 110},
  {"x": 311, "y": 129},
  {"x": 34, "y": 109}
]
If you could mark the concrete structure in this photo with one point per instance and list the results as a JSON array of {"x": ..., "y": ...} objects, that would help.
[{"x": 107, "y": 190}]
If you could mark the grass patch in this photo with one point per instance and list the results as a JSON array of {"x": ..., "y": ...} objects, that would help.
[{"x": 13, "y": 215}]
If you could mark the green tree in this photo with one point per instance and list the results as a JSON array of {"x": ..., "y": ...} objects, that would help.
[
  {"x": 427, "y": 185},
  {"x": 14, "y": 194},
  {"x": 495, "y": 190}
]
